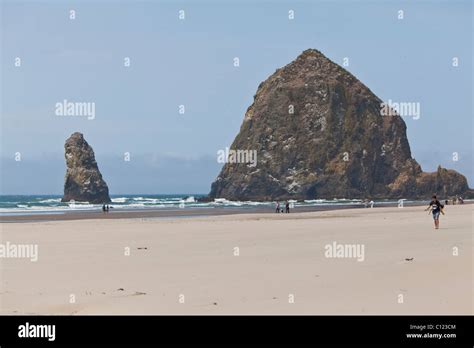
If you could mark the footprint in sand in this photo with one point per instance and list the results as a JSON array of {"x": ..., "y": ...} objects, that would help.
[{"x": 138, "y": 293}]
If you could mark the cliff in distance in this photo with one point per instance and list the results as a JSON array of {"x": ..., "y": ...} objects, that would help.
[{"x": 318, "y": 132}]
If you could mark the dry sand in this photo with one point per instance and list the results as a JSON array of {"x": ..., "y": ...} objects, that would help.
[{"x": 280, "y": 257}]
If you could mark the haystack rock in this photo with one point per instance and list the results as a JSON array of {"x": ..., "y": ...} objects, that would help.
[
  {"x": 319, "y": 133},
  {"x": 83, "y": 182}
]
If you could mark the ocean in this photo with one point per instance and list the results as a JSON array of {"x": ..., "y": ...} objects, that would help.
[{"x": 41, "y": 204}]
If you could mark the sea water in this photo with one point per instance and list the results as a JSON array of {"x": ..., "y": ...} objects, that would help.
[{"x": 40, "y": 204}]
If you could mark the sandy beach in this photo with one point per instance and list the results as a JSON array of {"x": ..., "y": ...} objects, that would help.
[{"x": 244, "y": 264}]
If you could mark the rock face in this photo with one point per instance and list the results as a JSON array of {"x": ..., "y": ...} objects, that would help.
[
  {"x": 83, "y": 182},
  {"x": 319, "y": 133}
]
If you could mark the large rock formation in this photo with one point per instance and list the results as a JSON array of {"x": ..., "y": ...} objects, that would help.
[
  {"x": 83, "y": 182},
  {"x": 319, "y": 132}
]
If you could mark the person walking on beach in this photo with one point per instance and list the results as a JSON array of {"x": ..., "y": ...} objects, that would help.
[
  {"x": 436, "y": 208},
  {"x": 287, "y": 206},
  {"x": 277, "y": 210},
  {"x": 103, "y": 208}
]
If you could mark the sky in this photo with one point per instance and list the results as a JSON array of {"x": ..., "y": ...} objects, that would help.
[{"x": 190, "y": 62}]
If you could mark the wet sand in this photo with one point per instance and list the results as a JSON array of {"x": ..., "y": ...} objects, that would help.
[
  {"x": 155, "y": 213},
  {"x": 171, "y": 213}
]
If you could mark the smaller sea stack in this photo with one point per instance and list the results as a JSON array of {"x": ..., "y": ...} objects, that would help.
[{"x": 83, "y": 181}]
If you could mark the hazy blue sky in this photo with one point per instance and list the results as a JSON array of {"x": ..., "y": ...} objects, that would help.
[{"x": 190, "y": 62}]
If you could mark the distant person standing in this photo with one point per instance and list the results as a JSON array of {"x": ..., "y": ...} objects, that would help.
[
  {"x": 277, "y": 209},
  {"x": 287, "y": 206},
  {"x": 103, "y": 208},
  {"x": 107, "y": 208},
  {"x": 436, "y": 208}
]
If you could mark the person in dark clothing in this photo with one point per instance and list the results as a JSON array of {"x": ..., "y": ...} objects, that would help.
[
  {"x": 436, "y": 208},
  {"x": 107, "y": 208},
  {"x": 103, "y": 208},
  {"x": 287, "y": 206}
]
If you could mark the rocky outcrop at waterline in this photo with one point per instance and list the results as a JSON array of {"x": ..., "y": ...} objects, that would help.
[
  {"x": 83, "y": 181},
  {"x": 318, "y": 132}
]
